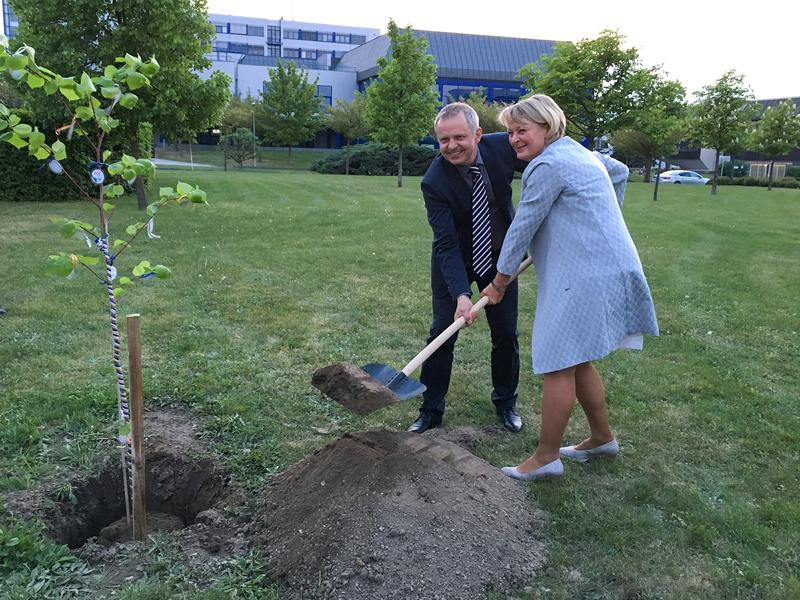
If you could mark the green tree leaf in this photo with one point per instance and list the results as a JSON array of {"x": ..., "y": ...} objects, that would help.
[
  {"x": 69, "y": 93},
  {"x": 59, "y": 265},
  {"x": 84, "y": 113},
  {"x": 110, "y": 92},
  {"x": 34, "y": 81},
  {"x": 59, "y": 150},
  {"x": 14, "y": 140},
  {"x": 128, "y": 100},
  {"x": 23, "y": 130},
  {"x": 88, "y": 260},
  {"x": 136, "y": 80},
  {"x": 162, "y": 272},
  {"x": 184, "y": 189}
]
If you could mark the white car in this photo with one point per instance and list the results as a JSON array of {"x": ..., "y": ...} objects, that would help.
[{"x": 678, "y": 177}]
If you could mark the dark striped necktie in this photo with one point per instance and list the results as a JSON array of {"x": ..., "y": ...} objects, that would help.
[{"x": 481, "y": 226}]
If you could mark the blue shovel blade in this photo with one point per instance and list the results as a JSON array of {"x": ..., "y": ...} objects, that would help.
[{"x": 402, "y": 386}]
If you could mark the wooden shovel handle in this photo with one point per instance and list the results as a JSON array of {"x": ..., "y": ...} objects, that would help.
[{"x": 420, "y": 358}]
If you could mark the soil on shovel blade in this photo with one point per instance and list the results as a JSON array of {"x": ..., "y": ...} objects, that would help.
[
  {"x": 374, "y": 515},
  {"x": 353, "y": 388}
]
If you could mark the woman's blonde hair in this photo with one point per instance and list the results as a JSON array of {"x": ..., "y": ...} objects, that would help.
[{"x": 537, "y": 109}]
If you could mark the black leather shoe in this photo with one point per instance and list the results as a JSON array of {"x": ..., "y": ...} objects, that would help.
[
  {"x": 426, "y": 420},
  {"x": 511, "y": 419}
]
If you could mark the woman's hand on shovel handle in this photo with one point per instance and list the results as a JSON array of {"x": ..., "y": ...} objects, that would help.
[
  {"x": 464, "y": 309},
  {"x": 496, "y": 289}
]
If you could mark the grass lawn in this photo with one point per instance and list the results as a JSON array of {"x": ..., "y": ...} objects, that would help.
[
  {"x": 285, "y": 272},
  {"x": 272, "y": 159}
]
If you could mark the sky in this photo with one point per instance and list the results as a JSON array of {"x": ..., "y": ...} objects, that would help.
[{"x": 694, "y": 42}]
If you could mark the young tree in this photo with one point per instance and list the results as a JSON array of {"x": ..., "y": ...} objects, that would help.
[
  {"x": 78, "y": 36},
  {"x": 722, "y": 116},
  {"x": 92, "y": 104},
  {"x": 348, "y": 119},
  {"x": 401, "y": 103},
  {"x": 596, "y": 82},
  {"x": 239, "y": 145},
  {"x": 777, "y": 133},
  {"x": 657, "y": 125},
  {"x": 289, "y": 110}
]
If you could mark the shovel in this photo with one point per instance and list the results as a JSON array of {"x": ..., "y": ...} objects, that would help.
[{"x": 375, "y": 385}]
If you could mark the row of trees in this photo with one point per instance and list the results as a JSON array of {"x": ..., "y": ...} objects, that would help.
[
  {"x": 604, "y": 90},
  {"x": 601, "y": 85}
]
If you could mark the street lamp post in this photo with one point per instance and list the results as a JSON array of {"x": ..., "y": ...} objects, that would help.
[{"x": 254, "y": 135}]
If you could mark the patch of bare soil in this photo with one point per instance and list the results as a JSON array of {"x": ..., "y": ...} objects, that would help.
[
  {"x": 180, "y": 483},
  {"x": 374, "y": 515},
  {"x": 381, "y": 514}
]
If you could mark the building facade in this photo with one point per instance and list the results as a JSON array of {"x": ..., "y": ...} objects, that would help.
[{"x": 246, "y": 48}]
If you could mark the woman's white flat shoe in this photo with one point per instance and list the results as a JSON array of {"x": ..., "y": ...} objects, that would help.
[
  {"x": 551, "y": 470},
  {"x": 609, "y": 449}
]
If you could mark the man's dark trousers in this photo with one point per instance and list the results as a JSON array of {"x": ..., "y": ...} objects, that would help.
[{"x": 502, "y": 319}]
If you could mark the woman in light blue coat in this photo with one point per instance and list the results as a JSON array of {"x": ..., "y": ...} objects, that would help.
[{"x": 592, "y": 294}]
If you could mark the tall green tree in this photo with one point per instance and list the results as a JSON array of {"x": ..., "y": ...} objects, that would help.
[
  {"x": 348, "y": 118},
  {"x": 290, "y": 111},
  {"x": 722, "y": 116},
  {"x": 78, "y": 36},
  {"x": 402, "y": 102},
  {"x": 777, "y": 133},
  {"x": 596, "y": 82},
  {"x": 657, "y": 125}
]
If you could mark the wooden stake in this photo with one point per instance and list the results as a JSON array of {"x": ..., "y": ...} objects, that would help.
[{"x": 137, "y": 428}]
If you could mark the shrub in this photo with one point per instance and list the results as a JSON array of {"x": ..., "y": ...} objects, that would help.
[
  {"x": 24, "y": 179},
  {"x": 793, "y": 171},
  {"x": 376, "y": 159}
]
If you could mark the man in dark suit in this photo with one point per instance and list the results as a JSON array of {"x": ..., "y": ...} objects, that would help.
[{"x": 466, "y": 244}]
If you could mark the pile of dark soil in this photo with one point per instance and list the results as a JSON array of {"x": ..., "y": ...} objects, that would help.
[{"x": 380, "y": 514}]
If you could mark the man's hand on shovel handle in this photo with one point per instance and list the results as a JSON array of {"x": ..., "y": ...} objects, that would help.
[{"x": 464, "y": 309}]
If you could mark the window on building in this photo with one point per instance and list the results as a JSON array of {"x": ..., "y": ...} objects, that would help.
[
  {"x": 238, "y": 28},
  {"x": 309, "y": 36},
  {"x": 255, "y": 30},
  {"x": 506, "y": 95},
  {"x": 309, "y": 54},
  {"x": 220, "y": 27},
  {"x": 326, "y": 36},
  {"x": 358, "y": 39},
  {"x": 325, "y": 94},
  {"x": 291, "y": 52},
  {"x": 259, "y": 50},
  {"x": 342, "y": 38},
  {"x": 273, "y": 50},
  {"x": 291, "y": 34},
  {"x": 273, "y": 34}
]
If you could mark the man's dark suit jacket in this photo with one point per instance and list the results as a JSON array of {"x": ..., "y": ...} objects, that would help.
[{"x": 448, "y": 200}]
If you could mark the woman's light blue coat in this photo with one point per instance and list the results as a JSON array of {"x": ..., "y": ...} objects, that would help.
[{"x": 592, "y": 292}]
